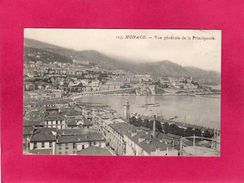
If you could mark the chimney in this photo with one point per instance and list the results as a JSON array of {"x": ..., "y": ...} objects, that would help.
[{"x": 154, "y": 126}]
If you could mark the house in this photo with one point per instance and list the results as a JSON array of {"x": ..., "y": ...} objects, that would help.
[
  {"x": 165, "y": 81},
  {"x": 142, "y": 143},
  {"x": 56, "y": 103},
  {"x": 43, "y": 138},
  {"x": 74, "y": 122},
  {"x": 143, "y": 77},
  {"x": 77, "y": 87},
  {"x": 55, "y": 93},
  {"x": 114, "y": 134},
  {"x": 48, "y": 103},
  {"x": 72, "y": 143},
  {"x": 111, "y": 85},
  {"x": 83, "y": 122},
  {"x": 62, "y": 103},
  {"x": 54, "y": 120},
  {"x": 73, "y": 114},
  {"x": 95, "y": 85},
  {"x": 71, "y": 123}
]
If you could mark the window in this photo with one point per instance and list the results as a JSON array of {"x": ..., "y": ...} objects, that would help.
[
  {"x": 83, "y": 146},
  {"x": 50, "y": 144},
  {"x": 66, "y": 146},
  {"x": 43, "y": 144},
  {"x": 74, "y": 145}
]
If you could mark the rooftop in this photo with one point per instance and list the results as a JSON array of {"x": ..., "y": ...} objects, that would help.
[
  {"x": 92, "y": 105},
  {"x": 93, "y": 150},
  {"x": 56, "y": 101},
  {"x": 54, "y": 117},
  {"x": 71, "y": 121},
  {"x": 89, "y": 137},
  {"x": 43, "y": 135},
  {"x": 36, "y": 115},
  {"x": 145, "y": 140},
  {"x": 72, "y": 131},
  {"x": 31, "y": 123},
  {"x": 122, "y": 128},
  {"x": 73, "y": 113}
]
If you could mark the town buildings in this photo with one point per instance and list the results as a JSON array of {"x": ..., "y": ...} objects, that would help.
[
  {"x": 43, "y": 139},
  {"x": 57, "y": 123},
  {"x": 73, "y": 141},
  {"x": 142, "y": 143}
]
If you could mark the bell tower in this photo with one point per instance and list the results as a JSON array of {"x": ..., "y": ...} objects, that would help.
[{"x": 127, "y": 110}]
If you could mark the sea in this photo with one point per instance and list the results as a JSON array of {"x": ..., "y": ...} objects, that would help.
[{"x": 197, "y": 110}]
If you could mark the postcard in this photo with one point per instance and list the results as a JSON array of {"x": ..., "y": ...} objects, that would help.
[{"x": 122, "y": 92}]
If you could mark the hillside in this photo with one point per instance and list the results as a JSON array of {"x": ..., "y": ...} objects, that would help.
[
  {"x": 156, "y": 69},
  {"x": 202, "y": 76},
  {"x": 48, "y": 47},
  {"x": 45, "y": 56}
]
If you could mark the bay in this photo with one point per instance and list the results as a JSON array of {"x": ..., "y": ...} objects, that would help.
[{"x": 198, "y": 110}]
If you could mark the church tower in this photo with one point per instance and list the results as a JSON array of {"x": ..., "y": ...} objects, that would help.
[{"x": 127, "y": 110}]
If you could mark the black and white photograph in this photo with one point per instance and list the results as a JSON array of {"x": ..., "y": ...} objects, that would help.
[{"x": 122, "y": 92}]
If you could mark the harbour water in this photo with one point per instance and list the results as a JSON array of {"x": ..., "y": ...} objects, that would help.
[{"x": 198, "y": 110}]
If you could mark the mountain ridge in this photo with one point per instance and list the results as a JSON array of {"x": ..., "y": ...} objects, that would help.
[{"x": 156, "y": 69}]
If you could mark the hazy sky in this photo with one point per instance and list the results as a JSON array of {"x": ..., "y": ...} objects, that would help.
[{"x": 205, "y": 54}]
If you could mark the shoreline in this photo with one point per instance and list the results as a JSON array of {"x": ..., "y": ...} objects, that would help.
[{"x": 173, "y": 94}]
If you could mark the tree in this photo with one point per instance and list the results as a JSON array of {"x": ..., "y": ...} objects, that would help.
[
  {"x": 198, "y": 132},
  {"x": 174, "y": 129},
  {"x": 159, "y": 126},
  {"x": 207, "y": 133},
  {"x": 132, "y": 120},
  {"x": 146, "y": 123},
  {"x": 138, "y": 122},
  {"x": 189, "y": 131},
  {"x": 166, "y": 127}
]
